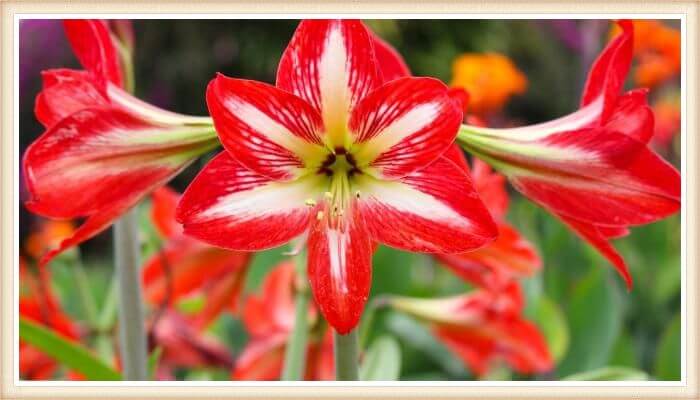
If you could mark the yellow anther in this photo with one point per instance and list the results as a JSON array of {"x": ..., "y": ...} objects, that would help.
[
  {"x": 357, "y": 194},
  {"x": 319, "y": 215},
  {"x": 328, "y": 195},
  {"x": 310, "y": 202}
]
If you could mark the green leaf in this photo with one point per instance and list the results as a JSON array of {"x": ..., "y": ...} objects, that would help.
[
  {"x": 609, "y": 374},
  {"x": 667, "y": 366},
  {"x": 595, "y": 319},
  {"x": 153, "y": 359},
  {"x": 550, "y": 318},
  {"x": 382, "y": 362},
  {"x": 71, "y": 354}
]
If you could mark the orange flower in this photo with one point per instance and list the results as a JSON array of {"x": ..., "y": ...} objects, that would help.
[
  {"x": 657, "y": 48},
  {"x": 48, "y": 236},
  {"x": 490, "y": 79}
]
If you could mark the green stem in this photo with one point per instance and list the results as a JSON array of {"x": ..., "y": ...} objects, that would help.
[
  {"x": 108, "y": 314},
  {"x": 346, "y": 355},
  {"x": 294, "y": 357},
  {"x": 132, "y": 332}
]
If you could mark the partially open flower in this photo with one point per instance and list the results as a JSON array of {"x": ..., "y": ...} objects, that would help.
[
  {"x": 482, "y": 327},
  {"x": 592, "y": 168},
  {"x": 187, "y": 267},
  {"x": 103, "y": 149},
  {"x": 334, "y": 151}
]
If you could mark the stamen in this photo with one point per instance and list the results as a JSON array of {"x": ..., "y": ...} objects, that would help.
[
  {"x": 357, "y": 194},
  {"x": 319, "y": 215},
  {"x": 310, "y": 202}
]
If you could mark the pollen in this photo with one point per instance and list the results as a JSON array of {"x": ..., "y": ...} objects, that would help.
[
  {"x": 310, "y": 202},
  {"x": 319, "y": 215},
  {"x": 357, "y": 194},
  {"x": 328, "y": 195}
]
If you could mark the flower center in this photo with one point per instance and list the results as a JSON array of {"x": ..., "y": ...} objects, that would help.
[{"x": 340, "y": 166}]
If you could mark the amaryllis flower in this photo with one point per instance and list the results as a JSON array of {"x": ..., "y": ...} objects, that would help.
[
  {"x": 269, "y": 319},
  {"x": 185, "y": 346},
  {"x": 187, "y": 267},
  {"x": 38, "y": 303},
  {"x": 510, "y": 255},
  {"x": 103, "y": 150},
  {"x": 483, "y": 327},
  {"x": 335, "y": 151},
  {"x": 593, "y": 168}
]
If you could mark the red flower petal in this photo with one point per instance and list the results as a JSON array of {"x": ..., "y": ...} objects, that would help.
[
  {"x": 261, "y": 360},
  {"x": 266, "y": 129},
  {"x": 230, "y": 206},
  {"x": 163, "y": 211},
  {"x": 632, "y": 116},
  {"x": 607, "y": 75},
  {"x": 330, "y": 64},
  {"x": 391, "y": 64},
  {"x": 65, "y": 92},
  {"x": 97, "y": 52},
  {"x": 403, "y": 126},
  {"x": 102, "y": 161},
  {"x": 339, "y": 267},
  {"x": 434, "y": 210},
  {"x": 492, "y": 188},
  {"x": 273, "y": 310}
]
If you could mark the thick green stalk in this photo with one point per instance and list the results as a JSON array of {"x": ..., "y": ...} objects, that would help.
[
  {"x": 132, "y": 331},
  {"x": 346, "y": 355},
  {"x": 294, "y": 357}
]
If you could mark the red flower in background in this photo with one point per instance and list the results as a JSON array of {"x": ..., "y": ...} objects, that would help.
[
  {"x": 667, "y": 119},
  {"x": 103, "y": 150},
  {"x": 482, "y": 327},
  {"x": 38, "y": 303},
  {"x": 593, "y": 168},
  {"x": 510, "y": 255},
  {"x": 269, "y": 319},
  {"x": 335, "y": 151},
  {"x": 186, "y": 266}
]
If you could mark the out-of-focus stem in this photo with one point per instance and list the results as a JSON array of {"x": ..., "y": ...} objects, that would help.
[
  {"x": 294, "y": 357},
  {"x": 132, "y": 332},
  {"x": 346, "y": 355}
]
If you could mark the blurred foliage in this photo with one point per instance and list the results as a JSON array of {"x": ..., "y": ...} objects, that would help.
[{"x": 594, "y": 327}]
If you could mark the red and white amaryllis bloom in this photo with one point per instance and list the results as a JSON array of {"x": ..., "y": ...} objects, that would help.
[
  {"x": 103, "y": 149},
  {"x": 593, "y": 168},
  {"x": 336, "y": 151},
  {"x": 483, "y": 327}
]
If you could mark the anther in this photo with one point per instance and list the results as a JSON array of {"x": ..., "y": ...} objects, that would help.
[
  {"x": 310, "y": 202},
  {"x": 319, "y": 215},
  {"x": 357, "y": 194},
  {"x": 328, "y": 195}
]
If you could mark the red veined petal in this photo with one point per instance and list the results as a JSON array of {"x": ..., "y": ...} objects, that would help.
[
  {"x": 598, "y": 238},
  {"x": 435, "y": 210},
  {"x": 93, "y": 45},
  {"x": 607, "y": 75},
  {"x": 339, "y": 267},
  {"x": 391, "y": 64},
  {"x": 164, "y": 201},
  {"x": 403, "y": 126},
  {"x": 66, "y": 91},
  {"x": 273, "y": 310},
  {"x": 268, "y": 130},
  {"x": 103, "y": 160},
  {"x": 230, "y": 206},
  {"x": 261, "y": 360},
  {"x": 330, "y": 64},
  {"x": 461, "y": 97}
]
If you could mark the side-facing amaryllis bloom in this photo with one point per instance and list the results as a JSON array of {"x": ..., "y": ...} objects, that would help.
[
  {"x": 510, "y": 255},
  {"x": 186, "y": 267},
  {"x": 482, "y": 327},
  {"x": 593, "y": 168},
  {"x": 335, "y": 151},
  {"x": 490, "y": 79},
  {"x": 269, "y": 319},
  {"x": 38, "y": 303},
  {"x": 103, "y": 149},
  {"x": 185, "y": 346}
]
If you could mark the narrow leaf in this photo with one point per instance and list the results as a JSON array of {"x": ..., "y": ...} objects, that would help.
[{"x": 71, "y": 354}]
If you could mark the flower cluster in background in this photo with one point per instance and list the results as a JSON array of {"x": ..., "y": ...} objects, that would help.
[{"x": 502, "y": 290}]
